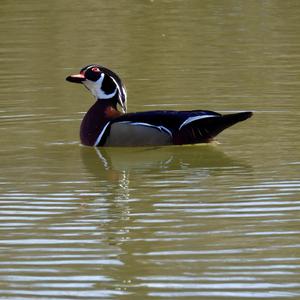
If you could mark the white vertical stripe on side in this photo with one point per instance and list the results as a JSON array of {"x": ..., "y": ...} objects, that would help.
[{"x": 98, "y": 140}]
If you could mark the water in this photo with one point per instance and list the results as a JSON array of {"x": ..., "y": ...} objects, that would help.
[{"x": 189, "y": 222}]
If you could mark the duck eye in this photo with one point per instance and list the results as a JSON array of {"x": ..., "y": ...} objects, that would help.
[{"x": 96, "y": 69}]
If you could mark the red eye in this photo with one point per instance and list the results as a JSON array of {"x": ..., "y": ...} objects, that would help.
[{"x": 95, "y": 69}]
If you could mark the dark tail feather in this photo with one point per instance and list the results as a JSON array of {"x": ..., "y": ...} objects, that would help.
[
  {"x": 217, "y": 125},
  {"x": 204, "y": 130}
]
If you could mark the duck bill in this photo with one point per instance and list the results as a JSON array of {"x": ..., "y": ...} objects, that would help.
[{"x": 77, "y": 78}]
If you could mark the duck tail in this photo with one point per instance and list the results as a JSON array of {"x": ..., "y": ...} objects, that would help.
[
  {"x": 218, "y": 125},
  {"x": 204, "y": 130}
]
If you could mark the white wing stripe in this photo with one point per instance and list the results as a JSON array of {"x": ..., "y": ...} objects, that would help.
[
  {"x": 160, "y": 128},
  {"x": 166, "y": 130},
  {"x": 192, "y": 119}
]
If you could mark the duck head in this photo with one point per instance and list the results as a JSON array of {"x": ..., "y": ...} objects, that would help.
[{"x": 103, "y": 83}]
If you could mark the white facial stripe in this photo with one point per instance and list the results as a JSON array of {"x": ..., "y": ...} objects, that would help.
[
  {"x": 124, "y": 92},
  {"x": 123, "y": 104},
  {"x": 125, "y": 98}
]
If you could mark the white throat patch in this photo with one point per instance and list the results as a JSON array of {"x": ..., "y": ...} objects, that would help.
[{"x": 95, "y": 88}]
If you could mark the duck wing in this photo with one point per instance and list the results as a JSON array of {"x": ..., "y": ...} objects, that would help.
[
  {"x": 203, "y": 130},
  {"x": 165, "y": 127}
]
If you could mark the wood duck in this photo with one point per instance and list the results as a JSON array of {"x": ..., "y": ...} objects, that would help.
[{"x": 105, "y": 125}]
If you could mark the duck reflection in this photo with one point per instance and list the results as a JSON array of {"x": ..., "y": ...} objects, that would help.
[
  {"x": 111, "y": 163},
  {"x": 127, "y": 175},
  {"x": 129, "y": 183}
]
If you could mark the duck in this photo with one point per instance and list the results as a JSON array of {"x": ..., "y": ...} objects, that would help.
[{"x": 108, "y": 124}]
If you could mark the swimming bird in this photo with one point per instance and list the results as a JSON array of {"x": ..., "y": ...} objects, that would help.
[{"x": 107, "y": 122}]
